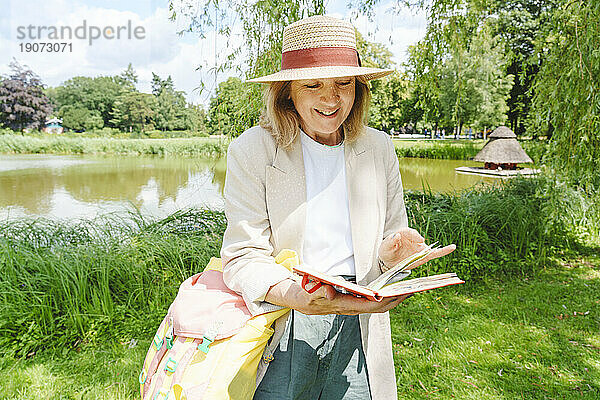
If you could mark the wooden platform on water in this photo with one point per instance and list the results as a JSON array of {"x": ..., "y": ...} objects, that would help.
[{"x": 497, "y": 173}]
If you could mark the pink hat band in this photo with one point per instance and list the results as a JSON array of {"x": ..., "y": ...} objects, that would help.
[{"x": 320, "y": 57}]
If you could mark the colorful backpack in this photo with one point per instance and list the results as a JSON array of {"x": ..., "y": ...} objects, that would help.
[{"x": 209, "y": 345}]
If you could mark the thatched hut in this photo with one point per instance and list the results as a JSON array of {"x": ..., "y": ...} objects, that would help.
[{"x": 502, "y": 151}]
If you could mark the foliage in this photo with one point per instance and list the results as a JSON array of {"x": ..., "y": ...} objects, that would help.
[
  {"x": 390, "y": 96},
  {"x": 567, "y": 92},
  {"x": 432, "y": 150},
  {"x": 461, "y": 82},
  {"x": 474, "y": 86},
  {"x": 230, "y": 111},
  {"x": 170, "y": 107},
  {"x": 80, "y": 119},
  {"x": 22, "y": 101},
  {"x": 130, "y": 76},
  {"x": 550, "y": 48},
  {"x": 501, "y": 230},
  {"x": 64, "y": 285},
  {"x": 87, "y": 104},
  {"x": 96, "y": 95},
  {"x": 453, "y": 24},
  {"x": 133, "y": 110},
  {"x": 519, "y": 24}
]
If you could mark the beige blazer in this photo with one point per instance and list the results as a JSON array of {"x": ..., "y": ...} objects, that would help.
[{"x": 265, "y": 205}]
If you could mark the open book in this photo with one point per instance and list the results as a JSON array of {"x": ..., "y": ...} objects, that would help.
[{"x": 388, "y": 284}]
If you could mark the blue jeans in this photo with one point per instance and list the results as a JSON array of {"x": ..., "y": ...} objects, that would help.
[{"x": 318, "y": 357}]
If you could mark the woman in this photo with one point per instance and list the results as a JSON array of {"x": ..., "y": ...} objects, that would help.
[{"x": 314, "y": 179}]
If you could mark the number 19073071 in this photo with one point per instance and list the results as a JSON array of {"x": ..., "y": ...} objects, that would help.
[{"x": 46, "y": 47}]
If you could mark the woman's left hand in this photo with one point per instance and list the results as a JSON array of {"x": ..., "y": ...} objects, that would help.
[{"x": 404, "y": 243}]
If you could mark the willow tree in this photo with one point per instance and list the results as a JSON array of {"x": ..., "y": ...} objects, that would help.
[
  {"x": 258, "y": 51},
  {"x": 567, "y": 92},
  {"x": 552, "y": 48}
]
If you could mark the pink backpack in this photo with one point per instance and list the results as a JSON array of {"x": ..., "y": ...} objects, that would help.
[{"x": 209, "y": 345}]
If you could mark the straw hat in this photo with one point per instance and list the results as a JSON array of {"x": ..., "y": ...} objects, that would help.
[{"x": 320, "y": 47}]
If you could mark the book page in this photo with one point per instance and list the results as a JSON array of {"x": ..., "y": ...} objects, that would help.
[
  {"x": 419, "y": 285},
  {"x": 339, "y": 283},
  {"x": 398, "y": 271}
]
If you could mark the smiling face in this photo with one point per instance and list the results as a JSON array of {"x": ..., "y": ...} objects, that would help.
[{"x": 323, "y": 105}]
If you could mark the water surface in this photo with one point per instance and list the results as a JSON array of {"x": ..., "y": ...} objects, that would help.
[{"x": 73, "y": 187}]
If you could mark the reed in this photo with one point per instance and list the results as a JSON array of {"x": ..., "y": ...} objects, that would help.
[
  {"x": 510, "y": 229},
  {"x": 438, "y": 150},
  {"x": 66, "y": 285},
  {"x": 200, "y": 147}
]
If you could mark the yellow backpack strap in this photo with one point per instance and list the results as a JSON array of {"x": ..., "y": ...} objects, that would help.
[
  {"x": 288, "y": 258},
  {"x": 215, "y": 264}
]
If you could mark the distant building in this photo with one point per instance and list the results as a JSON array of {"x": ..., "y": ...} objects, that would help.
[
  {"x": 502, "y": 151},
  {"x": 54, "y": 125}
]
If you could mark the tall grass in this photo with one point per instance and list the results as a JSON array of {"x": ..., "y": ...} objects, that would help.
[
  {"x": 201, "y": 147},
  {"x": 438, "y": 150},
  {"x": 513, "y": 228},
  {"x": 64, "y": 285},
  {"x": 460, "y": 150}
]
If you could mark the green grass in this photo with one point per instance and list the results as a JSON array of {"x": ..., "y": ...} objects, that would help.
[
  {"x": 532, "y": 338},
  {"x": 201, "y": 147},
  {"x": 64, "y": 286},
  {"x": 498, "y": 339},
  {"x": 436, "y": 149},
  {"x": 96, "y": 372}
]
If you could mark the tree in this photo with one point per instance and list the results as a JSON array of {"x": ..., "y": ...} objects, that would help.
[
  {"x": 133, "y": 111},
  {"x": 566, "y": 100},
  {"x": 94, "y": 94},
  {"x": 490, "y": 83},
  {"x": 474, "y": 85},
  {"x": 229, "y": 111},
  {"x": 80, "y": 119},
  {"x": 194, "y": 118},
  {"x": 129, "y": 76},
  {"x": 159, "y": 85},
  {"x": 389, "y": 103},
  {"x": 23, "y": 103},
  {"x": 519, "y": 24},
  {"x": 170, "y": 104}
]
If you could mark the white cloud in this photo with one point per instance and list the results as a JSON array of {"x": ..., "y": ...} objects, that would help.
[{"x": 163, "y": 51}]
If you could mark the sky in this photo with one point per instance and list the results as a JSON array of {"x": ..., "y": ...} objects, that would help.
[{"x": 148, "y": 39}]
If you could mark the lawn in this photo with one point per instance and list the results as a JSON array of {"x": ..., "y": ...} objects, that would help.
[{"x": 535, "y": 337}]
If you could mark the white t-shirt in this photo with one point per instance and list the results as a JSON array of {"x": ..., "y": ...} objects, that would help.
[{"x": 327, "y": 237}]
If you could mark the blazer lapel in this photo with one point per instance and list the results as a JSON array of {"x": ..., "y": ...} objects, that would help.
[
  {"x": 362, "y": 198},
  {"x": 286, "y": 198},
  {"x": 286, "y": 201}
]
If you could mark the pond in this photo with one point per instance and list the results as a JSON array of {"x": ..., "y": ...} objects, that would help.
[{"x": 74, "y": 187}]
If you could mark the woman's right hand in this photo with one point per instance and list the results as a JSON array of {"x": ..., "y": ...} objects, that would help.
[{"x": 326, "y": 300}]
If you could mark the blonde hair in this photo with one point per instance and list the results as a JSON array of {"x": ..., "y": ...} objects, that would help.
[{"x": 281, "y": 119}]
